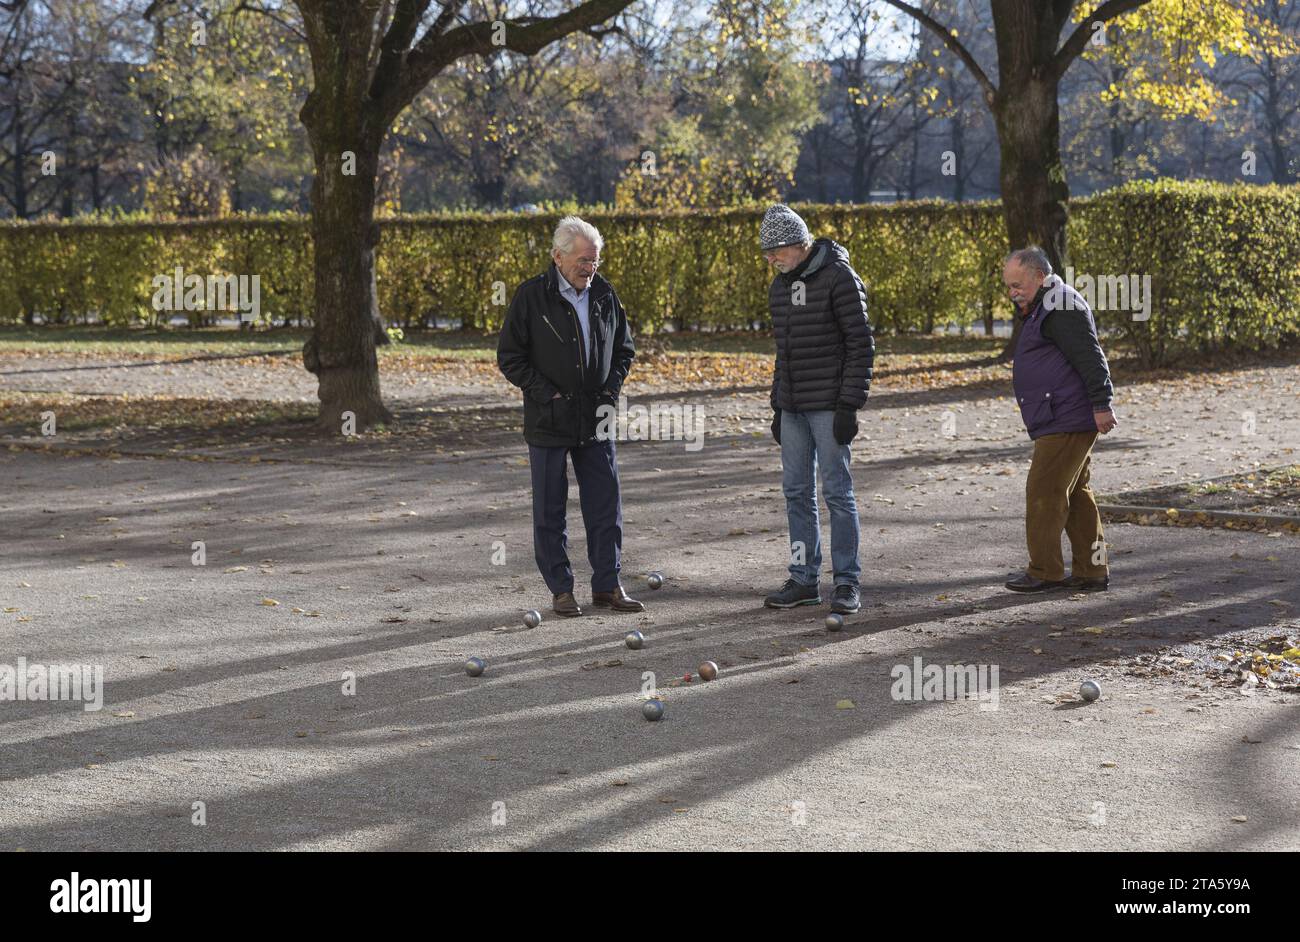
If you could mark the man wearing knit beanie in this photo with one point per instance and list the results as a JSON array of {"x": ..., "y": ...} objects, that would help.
[{"x": 824, "y": 358}]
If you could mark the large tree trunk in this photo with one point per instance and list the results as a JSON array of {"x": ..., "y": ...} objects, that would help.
[
  {"x": 1026, "y": 111},
  {"x": 369, "y": 62},
  {"x": 1034, "y": 192},
  {"x": 341, "y": 349}
]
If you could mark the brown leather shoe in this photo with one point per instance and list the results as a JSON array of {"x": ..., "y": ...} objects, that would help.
[
  {"x": 565, "y": 604},
  {"x": 618, "y": 600}
]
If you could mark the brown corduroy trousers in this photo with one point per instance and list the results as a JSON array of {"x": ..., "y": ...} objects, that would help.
[{"x": 1057, "y": 497}]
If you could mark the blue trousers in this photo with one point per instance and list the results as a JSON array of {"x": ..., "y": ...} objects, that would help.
[
  {"x": 808, "y": 444},
  {"x": 596, "y": 468}
]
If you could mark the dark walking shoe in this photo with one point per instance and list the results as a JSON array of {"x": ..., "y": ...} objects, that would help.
[
  {"x": 565, "y": 604},
  {"x": 618, "y": 600},
  {"x": 793, "y": 594},
  {"x": 846, "y": 600},
  {"x": 1085, "y": 584},
  {"x": 1027, "y": 583}
]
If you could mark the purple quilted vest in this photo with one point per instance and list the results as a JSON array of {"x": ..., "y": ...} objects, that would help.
[{"x": 1050, "y": 391}]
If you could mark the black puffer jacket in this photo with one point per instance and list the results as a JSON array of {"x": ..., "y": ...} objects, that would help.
[
  {"x": 824, "y": 347},
  {"x": 540, "y": 352}
]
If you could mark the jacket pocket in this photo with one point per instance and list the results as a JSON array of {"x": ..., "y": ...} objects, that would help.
[
  {"x": 550, "y": 349},
  {"x": 559, "y": 417},
  {"x": 1037, "y": 409}
]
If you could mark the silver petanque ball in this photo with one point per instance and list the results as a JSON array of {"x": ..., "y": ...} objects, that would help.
[
  {"x": 533, "y": 618},
  {"x": 634, "y": 640},
  {"x": 1090, "y": 690},
  {"x": 475, "y": 666},
  {"x": 655, "y": 580},
  {"x": 653, "y": 710},
  {"x": 834, "y": 622}
]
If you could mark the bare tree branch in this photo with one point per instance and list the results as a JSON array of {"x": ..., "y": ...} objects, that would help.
[
  {"x": 245, "y": 6},
  {"x": 396, "y": 43},
  {"x": 953, "y": 44},
  {"x": 1078, "y": 40},
  {"x": 153, "y": 7},
  {"x": 435, "y": 51},
  {"x": 450, "y": 9}
]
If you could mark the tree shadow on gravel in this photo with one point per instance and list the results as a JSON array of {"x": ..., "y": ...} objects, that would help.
[{"x": 534, "y": 716}]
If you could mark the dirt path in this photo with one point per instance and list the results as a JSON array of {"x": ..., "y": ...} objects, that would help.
[{"x": 213, "y": 696}]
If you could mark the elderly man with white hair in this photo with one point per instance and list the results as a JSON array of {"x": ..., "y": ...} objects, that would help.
[{"x": 566, "y": 343}]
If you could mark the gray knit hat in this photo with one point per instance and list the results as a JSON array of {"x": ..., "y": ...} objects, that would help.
[{"x": 782, "y": 226}]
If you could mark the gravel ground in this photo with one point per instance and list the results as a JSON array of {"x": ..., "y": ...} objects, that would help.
[{"x": 379, "y": 554}]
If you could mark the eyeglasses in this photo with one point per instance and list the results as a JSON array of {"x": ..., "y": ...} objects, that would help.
[{"x": 592, "y": 263}]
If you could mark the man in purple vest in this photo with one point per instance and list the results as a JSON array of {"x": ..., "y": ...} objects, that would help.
[{"x": 1062, "y": 383}]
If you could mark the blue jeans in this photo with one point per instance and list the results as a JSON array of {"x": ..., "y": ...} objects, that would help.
[{"x": 807, "y": 442}]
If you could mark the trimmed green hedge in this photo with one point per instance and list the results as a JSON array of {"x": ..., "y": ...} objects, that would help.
[
  {"x": 1224, "y": 263},
  {"x": 73, "y": 272}
]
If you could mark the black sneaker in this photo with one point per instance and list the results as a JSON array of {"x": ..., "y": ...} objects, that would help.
[
  {"x": 846, "y": 599},
  {"x": 792, "y": 594}
]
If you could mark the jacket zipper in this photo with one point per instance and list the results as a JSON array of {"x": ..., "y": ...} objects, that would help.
[
  {"x": 577, "y": 338},
  {"x": 553, "y": 330},
  {"x": 789, "y": 377},
  {"x": 582, "y": 371}
]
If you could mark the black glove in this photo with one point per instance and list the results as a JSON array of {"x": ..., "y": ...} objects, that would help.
[
  {"x": 845, "y": 427},
  {"x": 776, "y": 426}
]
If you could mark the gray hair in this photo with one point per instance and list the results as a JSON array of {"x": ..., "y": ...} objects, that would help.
[
  {"x": 1032, "y": 257},
  {"x": 571, "y": 226}
]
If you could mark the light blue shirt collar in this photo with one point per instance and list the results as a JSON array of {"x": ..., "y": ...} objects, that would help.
[
  {"x": 565, "y": 287},
  {"x": 580, "y": 307}
]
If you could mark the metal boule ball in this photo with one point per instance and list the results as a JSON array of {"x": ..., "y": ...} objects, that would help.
[
  {"x": 655, "y": 580},
  {"x": 834, "y": 622},
  {"x": 532, "y": 618},
  {"x": 634, "y": 640},
  {"x": 1090, "y": 690},
  {"x": 708, "y": 670},
  {"x": 653, "y": 710},
  {"x": 475, "y": 666}
]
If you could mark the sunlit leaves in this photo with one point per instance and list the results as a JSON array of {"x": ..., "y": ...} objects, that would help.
[{"x": 1167, "y": 48}]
